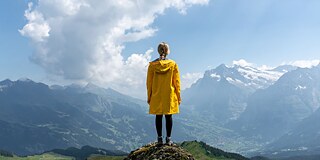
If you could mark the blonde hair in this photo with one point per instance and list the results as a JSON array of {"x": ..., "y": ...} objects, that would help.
[{"x": 163, "y": 50}]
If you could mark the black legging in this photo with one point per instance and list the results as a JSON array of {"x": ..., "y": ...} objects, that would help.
[{"x": 168, "y": 125}]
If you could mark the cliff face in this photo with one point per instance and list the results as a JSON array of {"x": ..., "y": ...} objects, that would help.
[{"x": 159, "y": 152}]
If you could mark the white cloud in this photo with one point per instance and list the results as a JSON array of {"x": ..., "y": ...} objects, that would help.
[
  {"x": 242, "y": 63},
  {"x": 182, "y": 5},
  {"x": 189, "y": 78},
  {"x": 82, "y": 40},
  {"x": 304, "y": 63},
  {"x": 37, "y": 28}
]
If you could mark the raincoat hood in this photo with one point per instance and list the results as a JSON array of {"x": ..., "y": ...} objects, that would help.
[{"x": 163, "y": 66}]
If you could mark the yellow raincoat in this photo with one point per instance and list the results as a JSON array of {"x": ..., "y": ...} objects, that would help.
[{"x": 163, "y": 87}]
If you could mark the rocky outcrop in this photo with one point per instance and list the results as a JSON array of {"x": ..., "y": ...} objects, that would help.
[{"x": 160, "y": 152}]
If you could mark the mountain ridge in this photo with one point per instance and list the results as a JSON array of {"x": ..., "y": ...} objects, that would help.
[
  {"x": 185, "y": 150},
  {"x": 275, "y": 110},
  {"x": 70, "y": 117},
  {"x": 224, "y": 90},
  {"x": 78, "y": 115}
]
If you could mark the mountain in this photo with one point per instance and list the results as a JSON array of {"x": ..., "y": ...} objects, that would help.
[
  {"x": 302, "y": 140},
  {"x": 273, "y": 111},
  {"x": 236, "y": 108},
  {"x": 259, "y": 105},
  {"x": 284, "y": 68},
  {"x": 35, "y": 118},
  {"x": 222, "y": 93}
]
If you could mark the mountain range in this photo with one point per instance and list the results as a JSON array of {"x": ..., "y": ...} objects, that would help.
[
  {"x": 237, "y": 108},
  {"x": 35, "y": 118},
  {"x": 274, "y": 111},
  {"x": 224, "y": 91},
  {"x": 265, "y": 107}
]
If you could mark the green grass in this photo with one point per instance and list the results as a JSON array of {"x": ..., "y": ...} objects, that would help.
[
  {"x": 52, "y": 156},
  {"x": 200, "y": 153},
  {"x": 45, "y": 156}
]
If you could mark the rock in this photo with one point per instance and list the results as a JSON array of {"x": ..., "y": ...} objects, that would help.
[{"x": 154, "y": 151}]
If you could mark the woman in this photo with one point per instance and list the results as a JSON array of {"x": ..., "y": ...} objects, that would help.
[{"x": 163, "y": 87}]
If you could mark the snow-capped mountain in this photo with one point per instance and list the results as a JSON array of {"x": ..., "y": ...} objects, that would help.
[
  {"x": 274, "y": 111},
  {"x": 241, "y": 106},
  {"x": 257, "y": 78},
  {"x": 247, "y": 76},
  {"x": 223, "y": 91}
]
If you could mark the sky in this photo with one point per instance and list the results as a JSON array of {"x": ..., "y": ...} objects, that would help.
[{"x": 110, "y": 43}]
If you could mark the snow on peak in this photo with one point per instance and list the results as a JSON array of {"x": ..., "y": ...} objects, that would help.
[
  {"x": 249, "y": 75},
  {"x": 299, "y": 87},
  {"x": 251, "y": 72},
  {"x": 256, "y": 74},
  {"x": 215, "y": 76},
  {"x": 245, "y": 74},
  {"x": 235, "y": 81}
]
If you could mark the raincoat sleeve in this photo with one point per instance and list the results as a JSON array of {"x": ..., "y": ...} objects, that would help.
[
  {"x": 149, "y": 82},
  {"x": 176, "y": 82}
]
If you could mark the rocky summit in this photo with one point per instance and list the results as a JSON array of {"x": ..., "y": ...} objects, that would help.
[{"x": 159, "y": 152}]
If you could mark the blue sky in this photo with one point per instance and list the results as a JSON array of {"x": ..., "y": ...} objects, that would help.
[
  {"x": 262, "y": 32},
  {"x": 208, "y": 33},
  {"x": 15, "y": 49}
]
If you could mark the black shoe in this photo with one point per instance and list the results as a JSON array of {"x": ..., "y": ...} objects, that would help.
[
  {"x": 168, "y": 141},
  {"x": 160, "y": 140}
]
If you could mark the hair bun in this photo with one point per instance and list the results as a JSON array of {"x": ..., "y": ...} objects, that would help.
[{"x": 163, "y": 48}]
